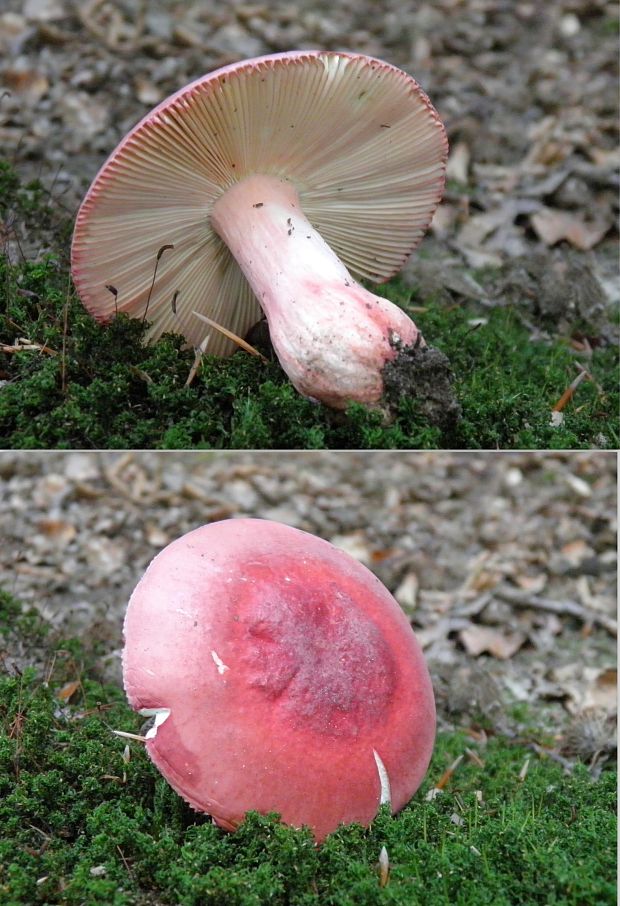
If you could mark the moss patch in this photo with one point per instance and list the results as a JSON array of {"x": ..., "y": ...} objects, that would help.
[
  {"x": 87, "y": 386},
  {"x": 81, "y": 822}
]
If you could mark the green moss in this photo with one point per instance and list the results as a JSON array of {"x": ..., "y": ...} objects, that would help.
[
  {"x": 79, "y": 823},
  {"x": 92, "y": 386}
]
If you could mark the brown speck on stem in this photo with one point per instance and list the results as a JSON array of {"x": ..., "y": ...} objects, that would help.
[{"x": 258, "y": 204}]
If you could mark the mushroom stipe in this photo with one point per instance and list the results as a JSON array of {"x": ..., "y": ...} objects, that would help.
[
  {"x": 270, "y": 182},
  {"x": 282, "y": 676}
]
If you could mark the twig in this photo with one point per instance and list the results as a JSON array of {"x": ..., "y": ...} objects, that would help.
[
  {"x": 552, "y": 754},
  {"x": 565, "y": 608},
  {"x": 27, "y": 347},
  {"x": 125, "y": 862},
  {"x": 514, "y": 739}
]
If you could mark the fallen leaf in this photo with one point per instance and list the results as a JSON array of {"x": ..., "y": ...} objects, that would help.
[
  {"x": 533, "y": 584},
  {"x": 407, "y": 592},
  {"x": 58, "y": 530},
  {"x": 552, "y": 225},
  {"x": 355, "y": 544},
  {"x": 458, "y": 163},
  {"x": 156, "y": 536},
  {"x": 68, "y": 690},
  {"x": 576, "y": 551},
  {"x": 587, "y": 687},
  {"x": 44, "y": 10},
  {"x": 83, "y": 116},
  {"x": 29, "y": 84},
  {"x": 501, "y": 645},
  {"x": 146, "y": 91},
  {"x": 14, "y": 32},
  {"x": 443, "y": 220}
]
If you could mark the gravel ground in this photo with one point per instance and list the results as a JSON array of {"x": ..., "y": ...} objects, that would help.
[
  {"x": 528, "y": 92},
  {"x": 464, "y": 541}
]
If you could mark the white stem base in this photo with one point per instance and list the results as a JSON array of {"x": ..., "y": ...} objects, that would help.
[{"x": 332, "y": 336}]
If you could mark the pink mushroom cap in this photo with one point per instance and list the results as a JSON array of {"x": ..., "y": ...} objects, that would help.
[{"x": 283, "y": 678}]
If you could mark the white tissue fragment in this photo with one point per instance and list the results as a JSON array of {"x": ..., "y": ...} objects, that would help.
[
  {"x": 384, "y": 780},
  {"x": 219, "y": 663},
  {"x": 160, "y": 715}
]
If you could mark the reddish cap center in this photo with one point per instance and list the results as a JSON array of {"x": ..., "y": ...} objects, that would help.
[{"x": 308, "y": 648}]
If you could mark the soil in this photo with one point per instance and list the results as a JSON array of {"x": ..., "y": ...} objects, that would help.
[{"x": 423, "y": 374}]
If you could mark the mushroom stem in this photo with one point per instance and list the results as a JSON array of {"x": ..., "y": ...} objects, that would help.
[{"x": 332, "y": 337}]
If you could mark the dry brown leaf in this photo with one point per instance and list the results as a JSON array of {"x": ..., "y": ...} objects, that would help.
[
  {"x": 29, "y": 84},
  {"x": 533, "y": 584},
  {"x": 407, "y": 592},
  {"x": 58, "y": 530},
  {"x": 355, "y": 544},
  {"x": 68, "y": 690},
  {"x": 14, "y": 32},
  {"x": 156, "y": 536},
  {"x": 576, "y": 551},
  {"x": 443, "y": 220},
  {"x": 83, "y": 116},
  {"x": 44, "y": 10},
  {"x": 146, "y": 91},
  {"x": 603, "y": 691},
  {"x": 587, "y": 687},
  {"x": 553, "y": 225},
  {"x": 477, "y": 639},
  {"x": 458, "y": 163}
]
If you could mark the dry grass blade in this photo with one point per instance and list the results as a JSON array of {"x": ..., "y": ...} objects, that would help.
[
  {"x": 447, "y": 775},
  {"x": 25, "y": 345},
  {"x": 569, "y": 392},
  {"x": 231, "y": 336},
  {"x": 125, "y": 735},
  {"x": 384, "y": 867}
]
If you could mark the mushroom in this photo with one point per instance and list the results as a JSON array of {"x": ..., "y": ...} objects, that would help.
[
  {"x": 259, "y": 186},
  {"x": 282, "y": 675}
]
